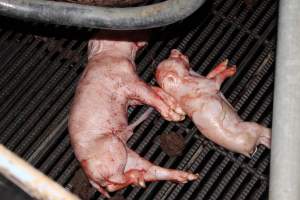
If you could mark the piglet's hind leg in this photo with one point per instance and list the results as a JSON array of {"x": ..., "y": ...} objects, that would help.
[
  {"x": 265, "y": 137},
  {"x": 261, "y": 133},
  {"x": 138, "y": 171},
  {"x": 155, "y": 173},
  {"x": 133, "y": 177}
]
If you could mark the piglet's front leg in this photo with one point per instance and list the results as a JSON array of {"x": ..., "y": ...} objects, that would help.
[
  {"x": 221, "y": 72},
  {"x": 141, "y": 93},
  {"x": 168, "y": 99}
]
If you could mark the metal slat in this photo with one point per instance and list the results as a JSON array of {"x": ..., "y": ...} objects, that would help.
[{"x": 38, "y": 99}]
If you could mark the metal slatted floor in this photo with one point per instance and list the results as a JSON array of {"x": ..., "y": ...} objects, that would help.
[{"x": 39, "y": 74}]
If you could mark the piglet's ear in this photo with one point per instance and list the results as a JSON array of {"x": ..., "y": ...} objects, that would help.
[{"x": 170, "y": 78}]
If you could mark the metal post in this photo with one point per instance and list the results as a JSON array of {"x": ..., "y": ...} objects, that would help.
[{"x": 285, "y": 151}]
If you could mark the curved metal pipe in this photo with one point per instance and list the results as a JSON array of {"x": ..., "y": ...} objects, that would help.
[
  {"x": 132, "y": 18},
  {"x": 106, "y": 3}
]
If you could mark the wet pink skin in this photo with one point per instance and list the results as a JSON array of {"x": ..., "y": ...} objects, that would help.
[
  {"x": 98, "y": 124},
  {"x": 201, "y": 99}
]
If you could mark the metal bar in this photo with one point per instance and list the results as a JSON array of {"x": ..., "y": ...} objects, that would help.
[
  {"x": 130, "y": 18},
  {"x": 285, "y": 157},
  {"x": 32, "y": 181}
]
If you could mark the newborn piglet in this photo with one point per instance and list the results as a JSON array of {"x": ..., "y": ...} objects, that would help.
[
  {"x": 98, "y": 124},
  {"x": 201, "y": 99}
]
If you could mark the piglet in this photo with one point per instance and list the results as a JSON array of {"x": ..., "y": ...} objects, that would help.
[
  {"x": 98, "y": 124},
  {"x": 201, "y": 99}
]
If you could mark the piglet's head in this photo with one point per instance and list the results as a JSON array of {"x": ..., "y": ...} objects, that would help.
[
  {"x": 125, "y": 42},
  {"x": 170, "y": 72}
]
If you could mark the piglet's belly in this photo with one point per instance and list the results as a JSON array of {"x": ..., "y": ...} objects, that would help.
[{"x": 215, "y": 119}]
